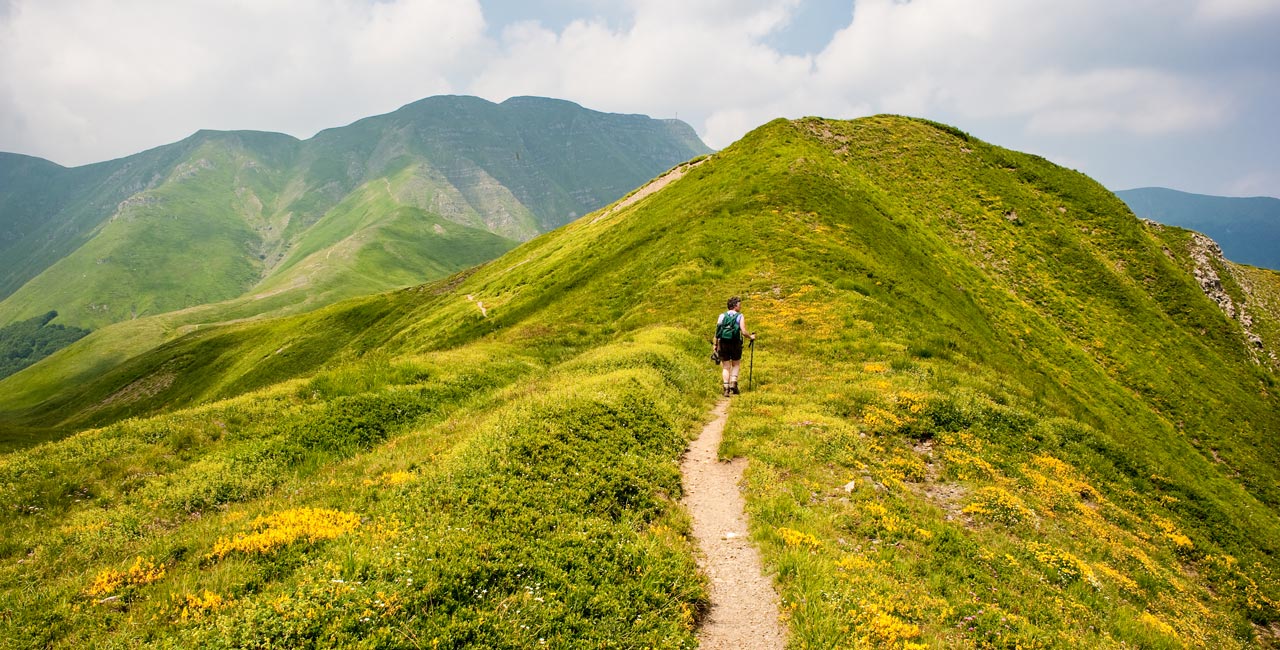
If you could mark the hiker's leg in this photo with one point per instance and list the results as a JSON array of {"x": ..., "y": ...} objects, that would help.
[{"x": 724, "y": 369}]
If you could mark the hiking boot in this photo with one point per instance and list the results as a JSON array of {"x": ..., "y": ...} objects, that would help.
[
  {"x": 735, "y": 388},
  {"x": 727, "y": 390}
]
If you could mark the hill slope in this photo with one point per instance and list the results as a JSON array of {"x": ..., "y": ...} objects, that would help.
[
  {"x": 224, "y": 214},
  {"x": 1248, "y": 229},
  {"x": 990, "y": 409}
]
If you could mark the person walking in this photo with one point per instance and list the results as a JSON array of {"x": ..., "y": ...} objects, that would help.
[{"x": 731, "y": 327}]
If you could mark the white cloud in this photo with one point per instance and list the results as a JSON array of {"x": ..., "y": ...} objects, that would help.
[
  {"x": 1015, "y": 60},
  {"x": 704, "y": 61},
  {"x": 92, "y": 79},
  {"x": 80, "y": 79},
  {"x": 1236, "y": 10},
  {"x": 1054, "y": 68}
]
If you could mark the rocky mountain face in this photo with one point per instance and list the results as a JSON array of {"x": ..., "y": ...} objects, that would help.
[{"x": 1241, "y": 292}]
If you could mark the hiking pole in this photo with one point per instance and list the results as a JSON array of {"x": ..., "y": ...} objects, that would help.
[{"x": 751, "y": 366}]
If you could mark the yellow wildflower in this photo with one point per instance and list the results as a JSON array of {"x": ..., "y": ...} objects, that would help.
[
  {"x": 283, "y": 528},
  {"x": 143, "y": 571}
]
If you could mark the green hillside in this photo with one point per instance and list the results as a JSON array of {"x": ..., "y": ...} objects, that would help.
[
  {"x": 224, "y": 215},
  {"x": 1248, "y": 229},
  {"x": 47, "y": 211},
  {"x": 989, "y": 408}
]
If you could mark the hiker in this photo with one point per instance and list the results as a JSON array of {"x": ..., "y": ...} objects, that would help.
[{"x": 731, "y": 326}]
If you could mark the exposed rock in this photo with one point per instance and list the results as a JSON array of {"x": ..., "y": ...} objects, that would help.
[
  {"x": 1202, "y": 251},
  {"x": 137, "y": 200},
  {"x": 187, "y": 170}
]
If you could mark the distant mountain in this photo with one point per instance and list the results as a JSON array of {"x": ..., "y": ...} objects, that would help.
[
  {"x": 392, "y": 200},
  {"x": 1247, "y": 229}
]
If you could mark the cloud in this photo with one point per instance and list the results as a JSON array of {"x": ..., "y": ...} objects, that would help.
[
  {"x": 1053, "y": 68},
  {"x": 666, "y": 58},
  {"x": 1045, "y": 65},
  {"x": 97, "y": 78},
  {"x": 704, "y": 61},
  {"x": 83, "y": 79},
  {"x": 1256, "y": 183},
  {"x": 1236, "y": 10}
]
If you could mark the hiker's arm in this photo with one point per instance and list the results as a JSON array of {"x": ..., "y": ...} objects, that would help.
[{"x": 742, "y": 322}]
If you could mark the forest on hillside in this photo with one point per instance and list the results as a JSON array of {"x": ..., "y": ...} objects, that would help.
[{"x": 26, "y": 342}]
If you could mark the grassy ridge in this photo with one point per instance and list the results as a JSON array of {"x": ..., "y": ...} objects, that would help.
[
  {"x": 990, "y": 409},
  {"x": 497, "y": 513}
]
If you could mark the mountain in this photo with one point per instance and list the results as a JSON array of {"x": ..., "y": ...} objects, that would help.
[
  {"x": 396, "y": 199},
  {"x": 987, "y": 408},
  {"x": 1247, "y": 229}
]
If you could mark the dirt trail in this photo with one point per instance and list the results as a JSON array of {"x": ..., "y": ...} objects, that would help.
[
  {"x": 744, "y": 607},
  {"x": 653, "y": 186}
]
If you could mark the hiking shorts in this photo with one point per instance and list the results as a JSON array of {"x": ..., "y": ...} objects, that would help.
[{"x": 731, "y": 349}]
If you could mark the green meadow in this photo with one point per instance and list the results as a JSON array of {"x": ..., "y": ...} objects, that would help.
[{"x": 989, "y": 408}]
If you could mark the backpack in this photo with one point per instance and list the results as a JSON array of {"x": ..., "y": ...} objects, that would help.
[{"x": 727, "y": 327}]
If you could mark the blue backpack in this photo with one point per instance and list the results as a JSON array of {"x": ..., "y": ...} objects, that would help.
[{"x": 727, "y": 327}]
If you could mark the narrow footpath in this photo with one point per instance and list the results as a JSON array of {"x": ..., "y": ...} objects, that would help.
[{"x": 744, "y": 606}]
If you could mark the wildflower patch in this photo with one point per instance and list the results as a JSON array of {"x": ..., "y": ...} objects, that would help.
[
  {"x": 883, "y": 421},
  {"x": 390, "y": 479},
  {"x": 880, "y": 627},
  {"x": 143, "y": 571},
  {"x": 796, "y": 539},
  {"x": 1181, "y": 543},
  {"x": 995, "y": 504},
  {"x": 193, "y": 606},
  {"x": 1063, "y": 567},
  {"x": 284, "y": 528}
]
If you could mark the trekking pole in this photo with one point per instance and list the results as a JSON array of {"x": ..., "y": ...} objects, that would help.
[{"x": 751, "y": 366}]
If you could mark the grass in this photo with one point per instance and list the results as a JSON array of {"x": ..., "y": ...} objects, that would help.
[
  {"x": 228, "y": 226},
  {"x": 500, "y": 505},
  {"x": 989, "y": 408}
]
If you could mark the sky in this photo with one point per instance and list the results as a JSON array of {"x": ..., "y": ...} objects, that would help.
[{"x": 1174, "y": 93}]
